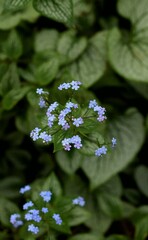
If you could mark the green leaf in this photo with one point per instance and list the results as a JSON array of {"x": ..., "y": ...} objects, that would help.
[
  {"x": 53, "y": 184},
  {"x": 47, "y": 71},
  {"x": 84, "y": 15},
  {"x": 9, "y": 78},
  {"x": 57, "y": 139},
  {"x": 129, "y": 132},
  {"x": 141, "y": 177},
  {"x": 78, "y": 215},
  {"x": 69, "y": 162},
  {"x": 90, "y": 145},
  {"x": 12, "y": 47},
  {"x": 142, "y": 229},
  {"x": 61, "y": 11},
  {"x": 113, "y": 186},
  {"x": 86, "y": 236},
  {"x": 15, "y": 4},
  {"x": 98, "y": 222},
  {"x": 111, "y": 205},
  {"x": 46, "y": 40},
  {"x": 74, "y": 185},
  {"x": 71, "y": 46},
  {"x": 9, "y": 20},
  {"x": 117, "y": 237},
  {"x": 7, "y": 208},
  {"x": 141, "y": 88},
  {"x": 128, "y": 51},
  {"x": 139, "y": 214},
  {"x": 13, "y": 97},
  {"x": 91, "y": 64}
]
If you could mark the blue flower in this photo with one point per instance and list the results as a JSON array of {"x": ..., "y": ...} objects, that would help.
[
  {"x": 33, "y": 214},
  {"x": 79, "y": 201},
  {"x": 64, "y": 86},
  {"x": 51, "y": 108},
  {"x": 114, "y": 142},
  {"x": 66, "y": 126},
  {"x": 15, "y": 220},
  {"x": 35, "y": 133},
  {"x": 57, "y": 218},
  {"x": 100, "y": 151},
  {"x": 78, "y": 121},
  {"x": 76, "y": 140},
  {"x": 92, "y": 104},
  {"x": 44, "y": 210},
  {"x": 46, "y": 138},
  {"x": 27, "y": 205},
  {"x": 42, "y": 102},
  {"x": 40, "y": 91},
  {"x": 46, "y": 195},
  {"x": 32, "y": 228},
  {"x": 51, "y": 119},
  {"x": 75, "y": 85},
  {"x": 70, "y": 105},
  {"x": 101, "y": 113},
  {"x": 25, "y": 189},
  {"x": 66, "y": 144}
]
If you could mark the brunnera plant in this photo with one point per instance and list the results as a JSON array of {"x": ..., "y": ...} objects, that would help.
[
  {"x": 45, "y": 215},
  {"x": 72, "y": 124},
  {"x": 66, "y": 126}
]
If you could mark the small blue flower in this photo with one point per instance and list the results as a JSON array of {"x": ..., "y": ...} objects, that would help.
[
  {"x": 25, "y": 189},
  {"x": 64, "y": 86},
  {"x": 51, "y": 119},
  {"x": 32, "y": 228},
  {"x": 100, "y": 151},
  {"x": 42, "y": 103},
  {"x": 40, "y": 91},
  {"x": 92, "y": 104},
  {"x": 33, "y": 214},
  {"x": 76, "y": 140},
  {"x": 44, "y": 210},
  {"x": 66, "y": 144},
  {"x": 51, "y": 108},
  {"x": 46, "y": 138},
  {"x": 57, "y": 218},
  {"x": 35, "y": 133},
  {"x": 28, "y": 216},
  {"x": 114, "y": 142},
  {"x": 46, "y": 195},
  {"x": 101, "y": 113},
  {"x": 79, "y": 201},
  {"x": 15, "y": 220},
  {"x": 75, "y": 85},
  {"x": 27, "y": 205},
  {"x": 78, "y": 121}
]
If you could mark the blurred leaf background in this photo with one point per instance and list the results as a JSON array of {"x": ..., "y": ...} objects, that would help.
[{"x": 103, "y": 44}]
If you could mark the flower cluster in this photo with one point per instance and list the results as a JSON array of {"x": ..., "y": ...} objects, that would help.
[
  {"x": 100, "y": 110},
  {"x": 35, "y": 215},
  {"x": 76, "y": 140},
  {"x": 68, "y": 120},
  {"x": 79, "y": 201},
  {"x": 37, "y": 134},
  {"x": 73, "y": 85},
  {"x": 15, "y": 220}
]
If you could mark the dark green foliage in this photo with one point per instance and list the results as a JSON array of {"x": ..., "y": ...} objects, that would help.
[{"x": 103, "y": 44}]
